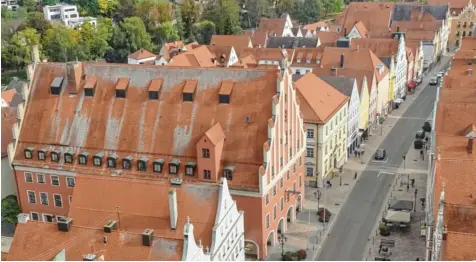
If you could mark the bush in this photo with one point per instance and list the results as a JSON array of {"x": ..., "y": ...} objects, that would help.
[
  {"x": 383, "y": 230},
  {"x": 10, "y": 209},
  {"x": 288, "y": 256},
  {"x": 302, "y": 254}
]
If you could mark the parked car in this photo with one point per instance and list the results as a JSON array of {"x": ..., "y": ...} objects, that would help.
[
  {"x": 420, "y": 134},
  {"x": 434, "y": 81},
  {"x": 418, "y": 144},
  {"x": 380, "y": 154}
]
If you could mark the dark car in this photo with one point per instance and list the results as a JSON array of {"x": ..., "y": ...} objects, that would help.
[
  {"x": 380, "y": 154},
  {"x": 434, "y": 81}
]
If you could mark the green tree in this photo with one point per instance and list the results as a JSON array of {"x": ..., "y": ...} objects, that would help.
[
  {"x": 178, "y": 21},
  {"x": 128, "y": 37},
  {"x": 286, "y": 6},
  {"x": 204, "y": 31},
  {"x": 30, "y": 5},
  {"x": 61, "y": 44},
  {"x": 332, "y": 6},
  {"x": 94, "y": 40},
  {"x": 17, "y": 53},
  {"x": 50, "y": 2},
  {"x": 153, "y": 12},
  {"x": 256, "y": 9},
  {"x": 308, "y": 11},
  {"x": 108, "y": 7},
  {"x": 10, "y": 210},
  {"x": 165, "y": 32},
  {"x": 37, "y": 21},
  {"x": 225, "y": 14},
  {"x": 190, "y": 15}
]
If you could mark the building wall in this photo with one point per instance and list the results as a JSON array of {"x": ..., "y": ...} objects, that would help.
[
  {"x": 8, "y": 179},
  {"x": 382, "y": 95},
  {"x": 311, "y": 144},
  {"x": 48, "y": 188},
  {"x": 401, "y": 70},
  {"x": 302, "y": 70},
  {"x": 373, "y": 102},
  {"x": 428, "y": 54},
  {"x": 287, "y": 27},
  {"x": 455, "y": 35},
  {"x": 364, "y": 105},
  {"x": 353, "y": 119},
  {"x": 332, "y": 141},
  {"x": 138, "y": 61},
  {"x": 392, "y": 86}
]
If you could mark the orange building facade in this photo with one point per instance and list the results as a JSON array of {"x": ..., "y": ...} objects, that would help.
[{"x": 193, "y": 124}]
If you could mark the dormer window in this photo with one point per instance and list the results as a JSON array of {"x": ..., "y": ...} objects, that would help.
[
  {"x": 174, "y": 166},
  {"x": 225, "y": 92},
  {"x": 126, "y": 162},
  {"x": 158, "y": 164},
  {"x": 318, "y": 61},
  {"x": 97, "y": 159},
  {"x": 189, "y": 90},
  {"x": 190, "y": 168},
  {"x": 111, "y": 161},
  {"x": 205, "y": 153},
  {"x": 83, "y": 158},
  {"x": 121, "y": 87},
  {"x": 55, "y": 87},
  {"x": 154, "y": 87},
  {"x": 228, "y": 172},
  {"x": 142, "y": 164},
  {"x": 308, "y": 61},
  {"x": 29, "y": 152},
  {"x": 42, "y": 154},
  {"x": 90, "y": 86},
  {"x": 55, "y": 155},
  {"x": 68, "y": 158},
  {"x": 299, "y": 60}
]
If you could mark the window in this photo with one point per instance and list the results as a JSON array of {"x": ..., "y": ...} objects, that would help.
[
  {"x": 464, "y": 33},
  {"x": 44, "y": 198},
  {"x": 267, "y": 199},
  {"x": 287, "y": 175},
  {"x": 281, "y": 181},
  {"x": 309, "y": 171},
  {"x": 28, "y": 153},
  {"x": 58, "y": 200},
  {"x": 310, "y": 152},
  {"x": 70, "y": 181},
  {"x": 294, "y": 186},
  {"x": 70, "y": 198},
  {"x": 55, "y": 156},
  {"x": 290, "y": 152},
  {"x": 206, "y": 153},
  {"x": 111, "y": 162},
  {"x": 207, "y": 174},
  {"x": 300, "y": 161},
  {"x": 173, "y": 169},
  {"x": 40, "y": 178},
  {"x": 157, "y": 166},
  {"x": 274, "y": 190},
  {"x": 267, "y": 220},
  {"x": 274, "y": 212},
  {"x": 28, "y": 177},
  {"x": 281, "y": 161},
  {"x": 41, "y": 155},
  {"x": 310, "y": 133},
  {"x": 126, "y": 163},
  {"x": 97, "y": 161},
  {"x": 55, "y": 181},
  {"x": 48, "y": 218},
  {"x": 68, "y": 158},
  {"x": 190, "y": 170},
  {"x": 83, "y": 159},
  {"x": 31, "y": 197},
  {"x": 35, "y": 216},
  {"x": 281, "y": 203},
  {"x": 142, "y": 165},
  {"x": 300, "y": 181}
]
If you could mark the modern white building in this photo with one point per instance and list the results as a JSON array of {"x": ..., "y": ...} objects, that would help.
[
  {"x": 66, "y": 14},
  {"x": 10, "y": 4},
  {"x": 348, "y": 87},
  {"x": 329, "y": 117}
]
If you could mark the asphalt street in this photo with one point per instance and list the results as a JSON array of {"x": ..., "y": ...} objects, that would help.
[{"x": 357, "y": 218}]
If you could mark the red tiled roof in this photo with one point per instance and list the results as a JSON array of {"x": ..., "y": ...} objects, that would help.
[
  {"x": 9, "y": 118},
  {"x": 141, "y": 54},
  {"x": 239, "y": 42},
  {"x": 167, "y": 128},
  {"x": 198, "y": 57},
  {"x": 375, "y": 16},
  {"x": 308, "y": 56},
  {"x": 272, "y": 26},
  {"x": 315, "y": 25},
  {"x": 319, "y": 101},
  {"x": 273, "y": 54},
  {"x": 380, "y": 47},
  {"x": 363, "y": 32},
  {"x": 327, "y": 38},
  {"x": 8, "y": 95}
]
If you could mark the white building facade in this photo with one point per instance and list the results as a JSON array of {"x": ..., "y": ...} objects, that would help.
[
  {"x": 353, "y": 115},
  {"x": 401, "y": 69},
  {"x": 66, "y": 14}
]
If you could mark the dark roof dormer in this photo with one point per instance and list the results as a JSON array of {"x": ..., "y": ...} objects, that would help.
[
  {"x": 158, "y": 165},
  {"x": 127, "y": 162},
  {"x": 174, "y": 166},
  {"x": 121, "y": 87},
  {"x": 83, "y": 158},
  {"x": 42, "y": 153},
  {"x": 97, "y": 159},
  {"x": 55, "y": 155},
  {"x": 189, "y": 90},
  {"x": 68, "y": 157},
  {"x": 90, "y": 86},
  {"x": 29, "y": 152},
  {"x": 112, "y": 161},
  {"x": 142, "y": 164},
  {"x": 190, "y": 168},
  {"x": 154, "y": 88},
  {"x": 226, "y": 89},
  {"x": 55, "y": 87}
]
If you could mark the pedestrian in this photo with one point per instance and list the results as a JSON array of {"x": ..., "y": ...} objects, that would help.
[
  {"x": 355, "y": 153},
  {"x": 408, "y": 187},
  {"x": 355, "y": 175},
  {"x": 358, "y": 153},
  {"x": 417, "y": 259},
  {"x": 421, "y": 155},
  {"x": 413, "y": 182},
  {"x": 380, "y": 248}
]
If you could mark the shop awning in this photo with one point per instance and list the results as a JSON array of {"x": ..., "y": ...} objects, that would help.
[{"x": 397, "y": 216}]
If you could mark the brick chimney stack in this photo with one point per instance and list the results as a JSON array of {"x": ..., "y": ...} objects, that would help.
[{"x": 470, "y": 145}]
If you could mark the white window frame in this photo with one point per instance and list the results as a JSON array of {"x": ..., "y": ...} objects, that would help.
[
  {"x": 47, "y": 199},
  {"x": 38, "y": 214},
  {"x": 51, "y": 180},
  {"x": 310, "y": 133},
  {"x": 31, "y": 175},
  {"x": 74, "y": 181},
  {"x": 28, "y": 196},
  {"x": 38, "y": 180},
  {"x": 54, "y": 201},
  {"x": 45, "y": 220}
]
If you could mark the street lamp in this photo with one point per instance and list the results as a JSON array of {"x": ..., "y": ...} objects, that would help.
[
  {"x": 282, "y": 240},
  {"x": 414, "y": 205},
  {"x": 404, "y": 157},
  {"x": 317, "y": 195}
]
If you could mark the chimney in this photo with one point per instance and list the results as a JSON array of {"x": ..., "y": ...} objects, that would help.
[
  {"x": 345, "y": 31},
  {"x": 173, "y": 208},
  {"x": 342, "y": 60},
  {"x": 105, "y": 239},
  {"x": 75, "y": 75},
  {"x": 470, "y": 145},
  {"x": 470, "y": 71},
  {"x": 147, "y": 237},
  {"x": 23, "y": 218}
]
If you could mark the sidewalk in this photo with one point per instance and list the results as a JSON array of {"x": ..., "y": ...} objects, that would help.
[{"x": 308, "y": 233}]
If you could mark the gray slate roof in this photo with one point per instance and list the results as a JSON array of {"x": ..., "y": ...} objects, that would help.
[
  {"x": 291, "y": 42},
  {"x": 402, "y": 11},
  {"x": 386, "y": 60},
  {"x": 342, "y": 83}
]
